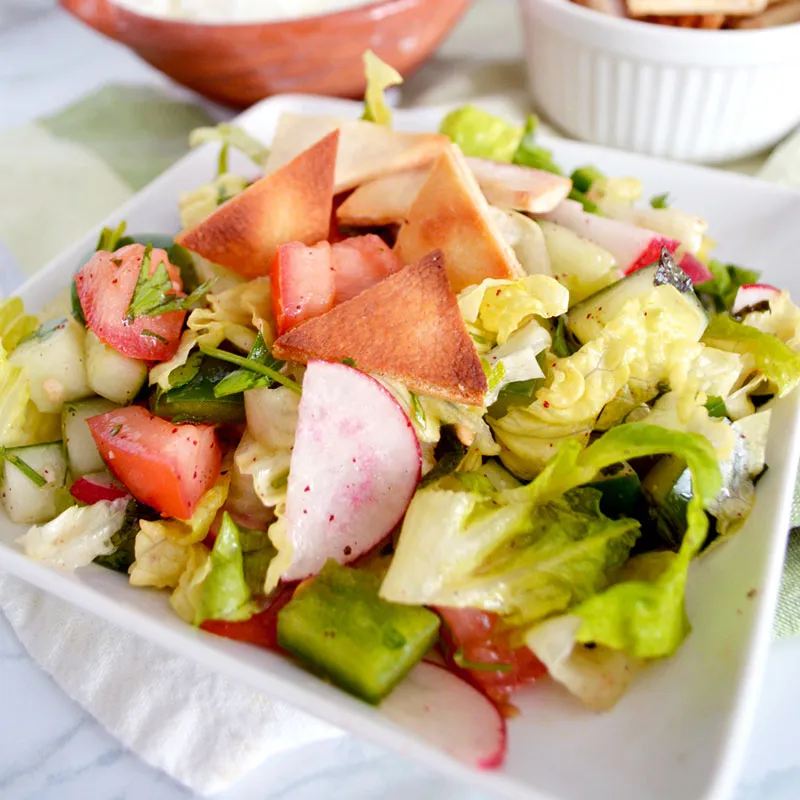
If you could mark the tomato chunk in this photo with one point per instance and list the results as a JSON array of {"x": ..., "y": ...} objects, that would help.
[
  {"x": 302, "y": 283},
  {"x": 479, "y": 638},
  {"x": 167, "y": 466},
  {"x": 261, "y": 629},
  {"x": 360, "y": 262},
  {"x": 105, "y": 287}
]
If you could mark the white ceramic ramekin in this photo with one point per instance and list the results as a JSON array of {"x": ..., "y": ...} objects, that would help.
[{"x": 694, "y": 95}]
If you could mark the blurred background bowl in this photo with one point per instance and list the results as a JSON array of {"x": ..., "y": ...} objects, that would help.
[
  {"x": 239, "y": 64},
  {"x": 694, "y": 95}
]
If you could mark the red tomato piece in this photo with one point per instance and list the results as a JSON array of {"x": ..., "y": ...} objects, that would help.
[
  {"x": 302, "y": 283},
  {"x": 165, "y": 465},
  {"x": 360, "y": 262},
  {"x": 105, "y": 288},
  {"x": 261, "y": 629},
  {"x": 92, "y": 489},
  {"x": 480, "y": 638}
]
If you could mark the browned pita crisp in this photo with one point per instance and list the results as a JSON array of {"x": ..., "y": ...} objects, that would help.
[
  {"x": 406, "y": 327},
  {"x": 451, "y": 214},
  {"x": 366, "y": 151},
  {"x": 292, "y": 204}
]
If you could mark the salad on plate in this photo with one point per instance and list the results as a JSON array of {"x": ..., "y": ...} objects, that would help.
[{"x": 417, "y": 410}]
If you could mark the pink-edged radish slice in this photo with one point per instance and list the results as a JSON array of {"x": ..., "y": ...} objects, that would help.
[
  {"x": 354, "y": 469},
  {"x": 97, "y": 486},
  {"x": 631, "y": 246},
  {"x": 753, "y": 294},
  {"x": 695, "y": 269},
  {"x": 450, "y": 714}
]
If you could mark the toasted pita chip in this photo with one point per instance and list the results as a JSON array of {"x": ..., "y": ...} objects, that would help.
[
  {"x": 406, "y": 327},
  {"x": 451, "y": 214},
  {"x": 366, "y": 150},
  {"x": 388, "y": 200},
  {"x": 678, "y": 7},
  {"x": 384, "y": 201},
  {"x": 519, "y": 188},
  {"x": 293, "y": 204},
  {"x": 783, "y": 13}
]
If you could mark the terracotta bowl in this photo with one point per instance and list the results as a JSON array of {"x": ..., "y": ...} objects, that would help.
[{"x": 243, "y": 63}]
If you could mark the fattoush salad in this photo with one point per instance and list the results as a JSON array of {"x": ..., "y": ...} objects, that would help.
[{"x": 417, "y": 410}]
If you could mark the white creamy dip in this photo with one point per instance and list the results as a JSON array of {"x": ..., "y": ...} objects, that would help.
[{"x": 231, "y": 11}]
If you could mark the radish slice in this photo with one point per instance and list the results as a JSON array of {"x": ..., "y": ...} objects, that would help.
[
  {"x": 98, "y": 486},
  {"x": 632, "y": 247},
  {"x": 696, "y": 269},
  {"x": 450, "y": 714},
  {"x": 752, "y": 294},
  {"x": 354, "y": 468}
]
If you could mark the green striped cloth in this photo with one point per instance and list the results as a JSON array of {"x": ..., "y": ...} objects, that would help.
[{"x": 63, "y": 174}]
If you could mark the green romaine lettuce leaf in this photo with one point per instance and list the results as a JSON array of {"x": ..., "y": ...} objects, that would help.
[
  {"x": 380, "y": 76},
  {"x": 480, "y": 134},
  {"x": 775, "y": 360},
  {"x": 15, "y": 324},
  {"x": 225, "y": 593},
  {"x": 719, "y": 293},
  {"x": 230, "y": 136},
  {"x": 529, "y": 154}
]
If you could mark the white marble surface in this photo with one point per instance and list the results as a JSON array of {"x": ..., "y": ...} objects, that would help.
[{"x": 49, "y": 748}]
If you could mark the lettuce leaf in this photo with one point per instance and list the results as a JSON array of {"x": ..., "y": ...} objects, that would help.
[
  {"x": 15, "y": 324},
  {"x": 236, "y": 315},
  {"x": 598, "y": 676},
  {"x": 720, "y": 292},
  {"x": 496, "y": 308},
  {"x": 775, "y": 360},
  {"x": 782, "y": 319},
  {"x": 231, "y": 136},
  {"x": 515, "y": 360},
  {"x": 268, "y": 467},
  {"x": 225, "y": 593},
  {"x": 185, "y": 599},
  {"x": 638, "y": 349},
  {"x": 530, "y": 154},
  {"x": 163, "y": 547},
  {"x": 76, "y": 536},
  {"x": 380, "y": 76},
  {"x": 481, "y": 134}
]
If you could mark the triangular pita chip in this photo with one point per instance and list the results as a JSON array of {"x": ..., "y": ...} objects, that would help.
[
  {"x": 292, "y": 204},
  {"x": 450, "y": 214},
  {"x": 366, "y": 150},
  {"x": 520, "y": 188},
  {"x": 388, "y": 200},
  {"x": 385, "y": 201},
  {"x": 406, "y": 327}
]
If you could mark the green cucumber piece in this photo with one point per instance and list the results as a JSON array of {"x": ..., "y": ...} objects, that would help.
[
  {"x": 111, "y": 374},
  {"x": 622, "y": 494},
  {"x": 587, "y": 319},
  {"x": 194, "y": 401},
  {"x": 668, "y": 489},
  {"x": 24, "y": 500},
  {"x": 338, "y": 625},
  {"x": 53, "y": 359},
  {"x": 82, "y": 453}
]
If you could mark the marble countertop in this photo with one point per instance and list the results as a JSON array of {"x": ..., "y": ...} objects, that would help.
[{"x": 50, "y": 749}]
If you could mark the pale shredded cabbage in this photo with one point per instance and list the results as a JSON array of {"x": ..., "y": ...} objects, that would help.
[{"x": 76, "y": 536}]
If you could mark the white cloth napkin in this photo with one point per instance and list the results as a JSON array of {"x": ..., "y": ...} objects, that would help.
[{"x": 203, "y": 729}]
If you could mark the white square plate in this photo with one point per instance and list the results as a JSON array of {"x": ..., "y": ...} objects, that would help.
[{"x": 680, "y": 732}]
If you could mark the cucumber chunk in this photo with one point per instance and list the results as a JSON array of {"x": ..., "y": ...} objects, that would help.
[
  {"x": 111, "y": 374},
  {"x": 194, "y": 401},
  {"x": 82, "y": 453},
  {"x": 53, "y": 360},
  {"x": 586, "y": 320},
  {"x": 338, "y": 625},
  {"x": 668, "y": 488},
  {"x": 26, "y": 502},
  {"x": 622, "y": 494}
]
